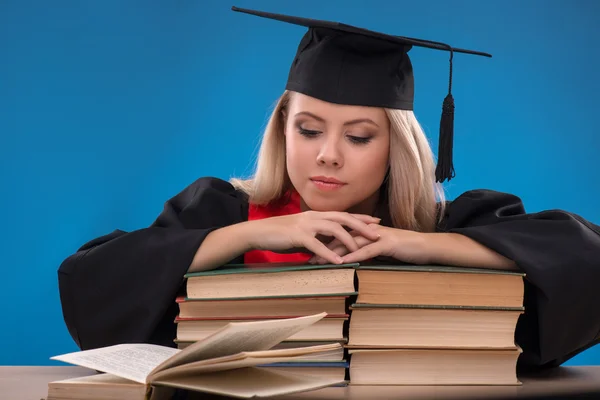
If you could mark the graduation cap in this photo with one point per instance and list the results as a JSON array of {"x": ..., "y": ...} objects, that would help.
[{"x": 344, "y": 64}]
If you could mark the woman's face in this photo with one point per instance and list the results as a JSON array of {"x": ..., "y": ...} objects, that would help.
[{"x": 337, "y": 155}]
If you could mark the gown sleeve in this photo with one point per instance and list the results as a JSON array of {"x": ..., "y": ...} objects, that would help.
[
  {"x": 121, "y": 287},
  {"x": 560, "y": 254}
]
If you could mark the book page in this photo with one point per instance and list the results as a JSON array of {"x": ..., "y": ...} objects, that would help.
[
  {"x": 331, "y": 351},
  {"x": 250, "y": 382},
  {"x": 98, "y": 379},
  {"x": 207, "y": 367},
  {"x": 241, "y": 336},
  {"x": 129, "y": 361},
  {"x": 243, "y": 359}
]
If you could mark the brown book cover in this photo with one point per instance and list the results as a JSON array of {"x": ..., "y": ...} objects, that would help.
[{"x": 439, "y": 286}]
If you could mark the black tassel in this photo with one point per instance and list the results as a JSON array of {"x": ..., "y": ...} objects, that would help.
[{"x": 445, "y": 169}]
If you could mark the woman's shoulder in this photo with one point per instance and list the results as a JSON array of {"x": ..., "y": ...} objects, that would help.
[
  {"x": 207, "y": 198},
  {"x": 213, "y": 188},
  {"x": 214, "y": 184},
  {"x": 211, "y": 182},
  {"x": 486, "y": 194}
]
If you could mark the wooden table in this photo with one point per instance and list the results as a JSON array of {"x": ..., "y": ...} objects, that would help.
[{"x": 31, "y": 383}]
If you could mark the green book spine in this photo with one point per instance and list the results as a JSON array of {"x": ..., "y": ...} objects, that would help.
[
  {"x": 436, "y": 268},
  {"x": 267, "y": 268},
  {"x": 285, "y": 267},
  {"x": 434, "y": 307},
  {"x": 276, "y": 297}
]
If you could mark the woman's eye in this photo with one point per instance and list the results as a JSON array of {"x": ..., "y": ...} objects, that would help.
[
  {"x": 359, "y": 139},
  {"x": 354, "y": 139},
  {"x": 308, "y": 133}
]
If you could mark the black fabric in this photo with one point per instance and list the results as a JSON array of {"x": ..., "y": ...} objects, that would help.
[
  {"x": 121, "y": 287},
  {"x": 352, "y": 69},
  {"x": 344, "y": 64},
  {"x": 560, "y": 254}
]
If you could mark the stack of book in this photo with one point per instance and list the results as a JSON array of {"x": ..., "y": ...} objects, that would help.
[
  {"x": 434, "y": 325},
  {"x": 225, "y": 363},
  {"x": 259, "y": 292}
]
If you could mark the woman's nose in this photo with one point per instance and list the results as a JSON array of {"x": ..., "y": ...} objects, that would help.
[{"x": 330, "y": 154}]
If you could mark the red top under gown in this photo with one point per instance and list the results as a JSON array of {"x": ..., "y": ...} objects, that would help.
[{"x": 291, "y": 205}]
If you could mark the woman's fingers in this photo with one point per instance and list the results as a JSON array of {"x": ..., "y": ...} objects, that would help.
[
  {"x": 335, "y": 225},
  {"x": 359, "y": 223},
  {"x": 338, "y": 248},
  {"x": 365, "y": 253},
  {"x": 320, "y": 250},
  {"x": 367, "y": 219},
  {"x": 337, "y": 231},
  {"x": 340, "y": 251}
]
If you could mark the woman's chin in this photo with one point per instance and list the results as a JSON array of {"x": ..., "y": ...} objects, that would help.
[{"x": 325, "y": 205}]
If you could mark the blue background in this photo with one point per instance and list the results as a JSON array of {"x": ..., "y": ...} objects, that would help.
[{"x": 108, "y": 108}]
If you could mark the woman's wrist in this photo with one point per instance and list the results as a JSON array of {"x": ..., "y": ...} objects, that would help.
[
  {"x": 247, "y": 234},
  {"x": 222, "y": 245},
  {"x": 447, "y": 248},
  {"x": 435, "y": 248}
]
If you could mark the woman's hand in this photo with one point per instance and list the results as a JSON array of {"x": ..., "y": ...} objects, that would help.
[
  {"x": 301, "y": 231},
  {"x": 403, "y": 245},
  {"x": 421, "y": 248}
]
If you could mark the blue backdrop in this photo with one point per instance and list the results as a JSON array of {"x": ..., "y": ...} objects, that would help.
[{"x": 108, "y": 108}]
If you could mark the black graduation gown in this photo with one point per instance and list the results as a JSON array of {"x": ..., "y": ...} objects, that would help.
[{"x": 121, "y": 287}]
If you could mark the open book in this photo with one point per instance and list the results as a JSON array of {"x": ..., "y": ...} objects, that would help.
[{"x": 223, "y": 363}]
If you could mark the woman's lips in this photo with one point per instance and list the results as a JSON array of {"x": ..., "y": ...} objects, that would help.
[{"x": 327, "y": 184}]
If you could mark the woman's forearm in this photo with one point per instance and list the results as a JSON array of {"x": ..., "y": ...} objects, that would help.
[
  {"x": 221, "y": 246},
  {"x": 459, "y": 250}
]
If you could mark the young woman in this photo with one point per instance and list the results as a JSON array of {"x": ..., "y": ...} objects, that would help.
[{"x": 345, "y": 174}]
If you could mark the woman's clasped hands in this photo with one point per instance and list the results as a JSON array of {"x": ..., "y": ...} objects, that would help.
[{"x": 337, "y": 237}]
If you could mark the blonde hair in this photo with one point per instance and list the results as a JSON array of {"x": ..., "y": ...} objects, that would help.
[{"x": 412, "y": 193}]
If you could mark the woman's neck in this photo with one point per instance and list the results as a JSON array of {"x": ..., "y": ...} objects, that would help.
[{"x": 369, "y": 206}]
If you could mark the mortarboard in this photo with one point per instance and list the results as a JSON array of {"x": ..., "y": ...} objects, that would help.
[{"x": 344, "y": 64}]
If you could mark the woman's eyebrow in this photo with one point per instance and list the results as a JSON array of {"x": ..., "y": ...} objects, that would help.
[
  {"x": 352, "y": 122},
  {"x": 311, "y": 115},
  {"x": 361, "y": 120}
]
